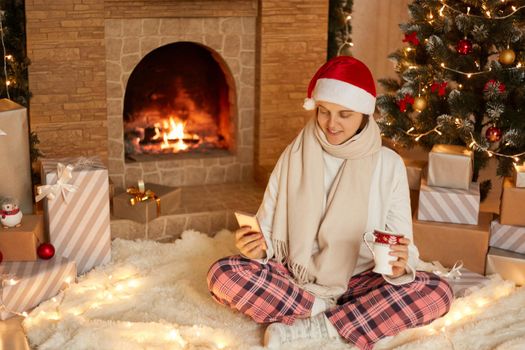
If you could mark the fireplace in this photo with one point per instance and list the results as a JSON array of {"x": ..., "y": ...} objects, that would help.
[{"x": 178, "y": 101}]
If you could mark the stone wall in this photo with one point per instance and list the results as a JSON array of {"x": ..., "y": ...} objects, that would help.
[
  {"x": 67, "y": 45},
  {"x": 232, "y": 39}
]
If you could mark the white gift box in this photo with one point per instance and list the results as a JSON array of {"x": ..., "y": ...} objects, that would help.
[
  {"x": 450, "y": 166},
  {"x": 519, "y": 175},
  {"x": 509, "y": 265}
]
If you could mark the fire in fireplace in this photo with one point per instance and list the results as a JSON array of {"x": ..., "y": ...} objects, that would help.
[{"x": 178, "y": 100}]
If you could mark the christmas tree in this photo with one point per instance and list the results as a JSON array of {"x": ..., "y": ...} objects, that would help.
[
  {"x": 461, "y": 80},
  {"x": 13, "y": 80},
  {"x": 339, "y": 28}
]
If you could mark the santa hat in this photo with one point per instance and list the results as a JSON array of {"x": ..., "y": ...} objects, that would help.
[{"x": 346, "y": 81}]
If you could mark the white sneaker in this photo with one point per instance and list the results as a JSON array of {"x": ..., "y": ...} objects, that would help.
[{"x": 313, "y": 328}]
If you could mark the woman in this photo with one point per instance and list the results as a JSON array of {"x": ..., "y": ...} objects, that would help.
[{"x": 308, "y": 272}]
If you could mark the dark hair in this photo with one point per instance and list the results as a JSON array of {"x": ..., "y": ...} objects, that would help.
[{"x": 363, "y": 123}]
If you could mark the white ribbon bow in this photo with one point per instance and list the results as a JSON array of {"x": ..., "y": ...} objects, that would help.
[
  {"x": 2, "y": 132},
  {"x": 64, "y": 174},
  {"x": 454, "y": 272}
]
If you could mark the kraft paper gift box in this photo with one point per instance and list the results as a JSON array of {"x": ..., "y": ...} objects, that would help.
[
  {"x": 450, "y": 166},
  {"x": 507, "y": 237},
  {"x": 77, "y": 218},
  {"x": 449, "y": 204},
  {"x": 519, "y": 175},
  {"x": 35, "y": 281},
  {"x": 509, "y": 265},
  {"x": 512, "y": 208},
  {"x": 21, "y": 243},
  {"x": 15, "y": 172},
  {"x": 415, "y": 170},
  {"x": 143, "y": 211},
  {"x": 449, "y": 243}
]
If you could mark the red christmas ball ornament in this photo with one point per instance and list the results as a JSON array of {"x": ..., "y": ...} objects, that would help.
[
  {"x": 493, "y": 134},
  {"x": 464, "y": 46},
  {"x": 46, "y": 251}
]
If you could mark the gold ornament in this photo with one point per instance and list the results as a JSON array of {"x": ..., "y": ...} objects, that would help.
[
  {"x": 419, "y": 103},
  {"x": 507, "y": 56}
]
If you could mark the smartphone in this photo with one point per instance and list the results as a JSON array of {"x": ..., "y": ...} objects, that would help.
[{"x": 246, "y": 219}]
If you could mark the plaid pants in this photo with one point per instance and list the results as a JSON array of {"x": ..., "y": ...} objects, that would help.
[{"x": 369, "y": 310}]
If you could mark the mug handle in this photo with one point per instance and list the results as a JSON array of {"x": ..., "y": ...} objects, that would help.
[{"x": 365, "y": 236}]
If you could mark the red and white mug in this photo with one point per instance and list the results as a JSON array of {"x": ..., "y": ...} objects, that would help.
[{"x": 381, "y": 241}]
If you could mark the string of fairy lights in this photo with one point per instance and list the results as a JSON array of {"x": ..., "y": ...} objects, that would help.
[
  {"x": 346, "y": 42},
  {"x": 472, "y": 143},
  {"x": 5, "y": 55}
]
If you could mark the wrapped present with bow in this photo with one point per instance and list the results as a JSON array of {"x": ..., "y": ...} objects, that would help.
[
  {"x": 146, "y": 202},
  {"x": 76, "y": 209},
  {"x": 26, "y": 284}
]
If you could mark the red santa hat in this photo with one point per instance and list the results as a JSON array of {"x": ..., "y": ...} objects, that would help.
[{"x": 346, "y": 81}]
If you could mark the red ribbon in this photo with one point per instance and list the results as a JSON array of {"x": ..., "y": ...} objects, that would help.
[
  {"x": 408, "y": 99},
  {"x": 411, "y": 38},
  {"x": 439, "y": 87},
  {"x": 9, "y": 212}
]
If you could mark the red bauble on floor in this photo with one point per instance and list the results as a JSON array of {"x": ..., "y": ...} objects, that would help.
[{"x": 46, "y": 251}]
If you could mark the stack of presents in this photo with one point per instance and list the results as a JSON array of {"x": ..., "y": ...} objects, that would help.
[
  {"x": 448, "y": 224},
  {"x": 69, "y": 212}
]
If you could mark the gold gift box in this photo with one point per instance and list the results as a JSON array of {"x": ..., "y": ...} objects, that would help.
[
  {"x": 450, "y": 166},
  {"x": 147, "y": 210}
]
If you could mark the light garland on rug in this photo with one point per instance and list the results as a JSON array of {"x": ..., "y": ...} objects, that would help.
[{"x": 118, "y": 286}]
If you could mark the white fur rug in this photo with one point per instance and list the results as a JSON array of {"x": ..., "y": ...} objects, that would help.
[{"x": 154, "y": 296}]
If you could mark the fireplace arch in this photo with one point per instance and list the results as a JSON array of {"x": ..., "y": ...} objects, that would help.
[{"x": 179, "y": 99}]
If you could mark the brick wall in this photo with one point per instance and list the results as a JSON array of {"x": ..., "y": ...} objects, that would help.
[
  {"x": 293, "y": 42},
  {"x": 65, "y": 42}
]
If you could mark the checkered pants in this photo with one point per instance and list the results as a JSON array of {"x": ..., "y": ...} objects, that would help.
[{"x": 369, "y": 310}]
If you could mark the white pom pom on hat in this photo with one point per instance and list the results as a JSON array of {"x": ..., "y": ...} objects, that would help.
[{"x": 346, "y": 81}]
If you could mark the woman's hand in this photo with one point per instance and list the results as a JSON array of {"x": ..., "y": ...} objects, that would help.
[
  {"x": 401, "y": 251},
  {"x": 250, "y": 243}
]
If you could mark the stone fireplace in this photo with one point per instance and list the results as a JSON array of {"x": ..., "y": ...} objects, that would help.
[
  {"x": 180, "y": 99},
  {"x": 90, "y": 69},
  {"x": 180, "y": 72}
]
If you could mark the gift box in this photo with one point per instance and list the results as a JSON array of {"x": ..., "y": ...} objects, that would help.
[
  {"x": 449, "y": 243},
  {"x": 415, "y": 170},
  {"x": 507, "y": 237},
  {"x": 466, "y": 282},
  {"x": 450, "y": 166},
  {"x": 511, "y": 205},
  {"x": 519, "y": 175},
  {"x": 449, "y": 204},
  {"x": 76, "y": 210},
  {"x": 160, "y": 200},
  {"x": 509, "y": 265},
  {"x": 20, "y": 243},
  {"x": 27, "y": 284},
  {"x": 15, "y": 172}
]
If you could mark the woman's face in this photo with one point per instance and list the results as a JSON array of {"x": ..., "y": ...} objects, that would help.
[{"x": 338, "y": 123}]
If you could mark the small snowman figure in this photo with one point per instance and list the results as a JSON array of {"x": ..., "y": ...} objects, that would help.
[{"x": 11, "y": 216}]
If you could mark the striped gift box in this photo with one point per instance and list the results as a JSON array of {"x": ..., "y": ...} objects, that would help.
[
  {"x": 78, "y": 221},
  {"x": 507, "y": 237},
  {"x": 449, "y": 204},
  {"x": 466, "y": 283},
  {"x": 36, "y": 281}
]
